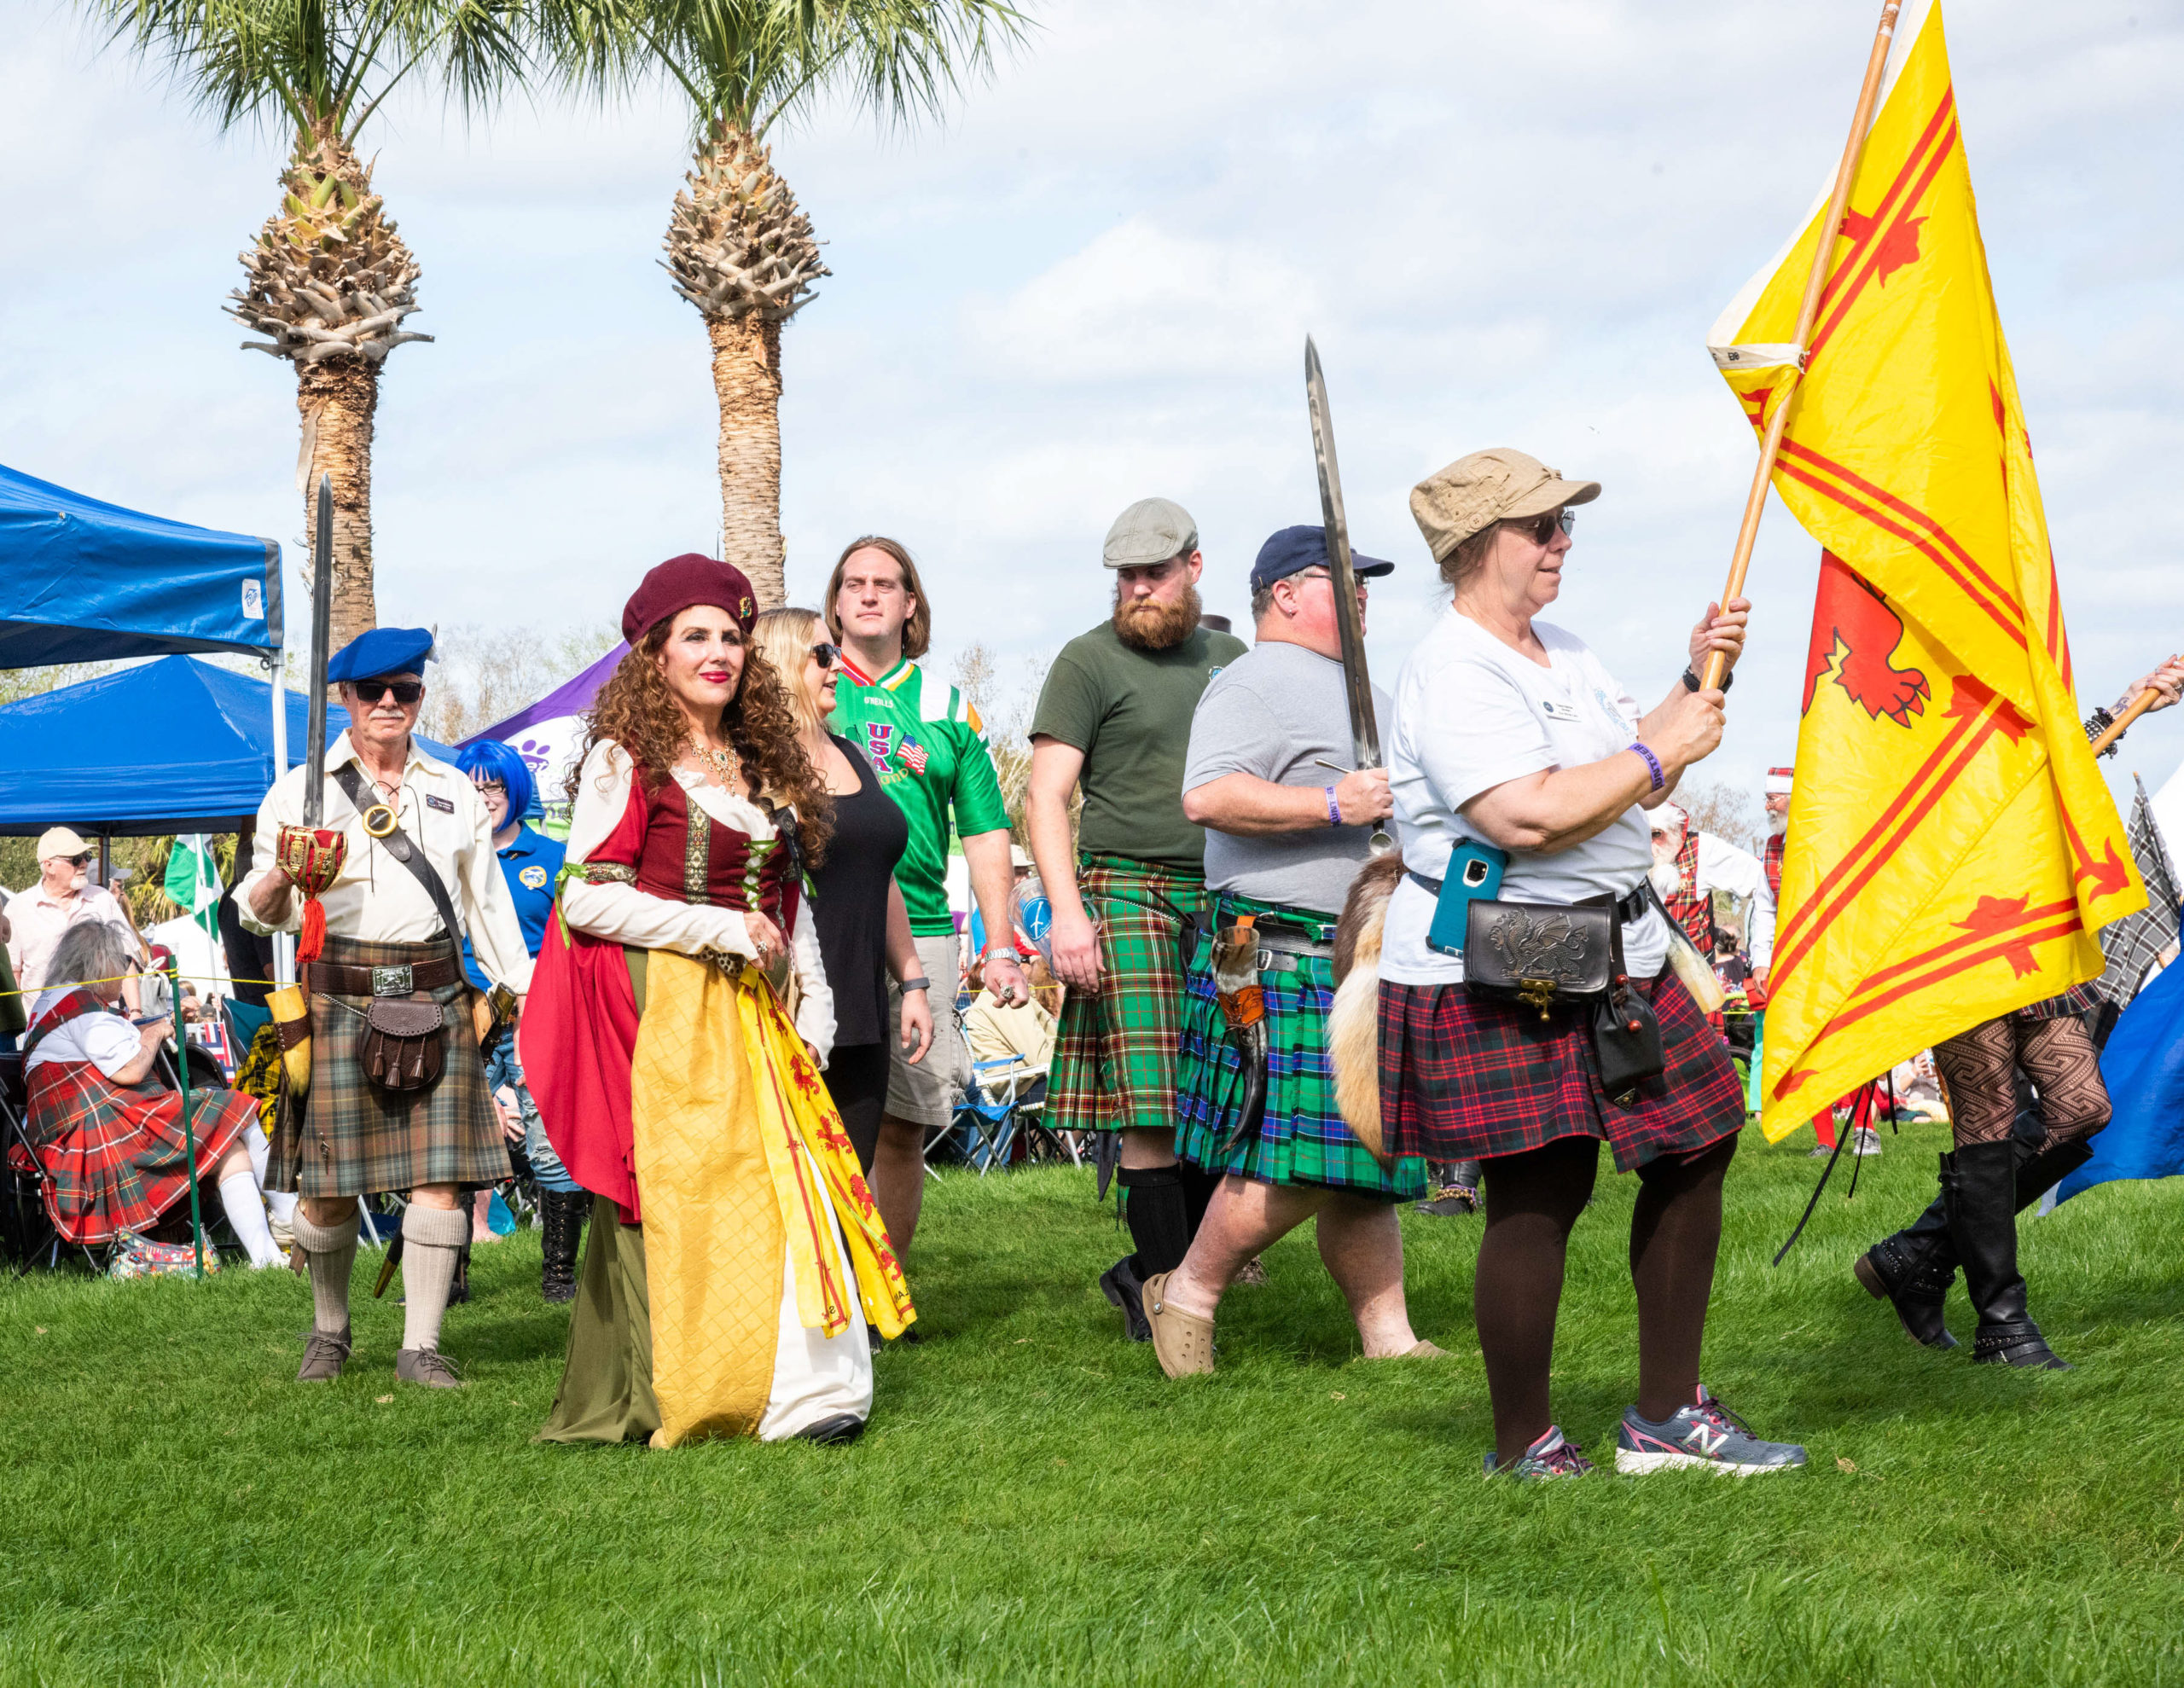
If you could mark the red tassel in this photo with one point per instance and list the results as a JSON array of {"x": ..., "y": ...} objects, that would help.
[{"x": 314, "y": 933}]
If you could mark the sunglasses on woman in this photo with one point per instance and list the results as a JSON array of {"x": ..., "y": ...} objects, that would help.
[
  {"x": 826, "y": 655},
  {"x": 1541, "y": 528},
  {"x": 406, "y": 691}
]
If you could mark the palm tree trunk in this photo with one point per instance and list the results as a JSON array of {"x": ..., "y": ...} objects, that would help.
[
  {"x": 339, "y": 398},
  {"x": 747, "y": 381}
]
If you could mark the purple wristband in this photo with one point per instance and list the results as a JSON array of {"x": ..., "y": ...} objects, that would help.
[
  {"x": 1653, "y": 764},
  {"x": 1334, "y": 809}
]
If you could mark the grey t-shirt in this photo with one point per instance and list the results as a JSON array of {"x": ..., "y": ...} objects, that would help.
[{"x": 1271, "y": 713}]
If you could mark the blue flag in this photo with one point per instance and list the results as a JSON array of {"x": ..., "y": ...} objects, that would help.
[{"x": 2143, "y": 1067}]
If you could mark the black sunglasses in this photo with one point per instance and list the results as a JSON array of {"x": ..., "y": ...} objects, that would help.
[
  {"x": 406, "y": 691},
  {"x": 1541, "y": 528},
  {"x": 82, "y": 861},
  {"x": 826, "y": 655}
]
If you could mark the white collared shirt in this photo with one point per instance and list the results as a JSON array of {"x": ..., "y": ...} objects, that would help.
[{"x": 378, "y": 899}]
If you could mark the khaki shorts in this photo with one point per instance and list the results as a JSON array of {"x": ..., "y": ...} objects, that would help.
[{"x": 927, "y": 1093}]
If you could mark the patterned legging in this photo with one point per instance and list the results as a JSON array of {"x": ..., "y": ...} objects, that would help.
[{"x": 2056, "y": 1054}]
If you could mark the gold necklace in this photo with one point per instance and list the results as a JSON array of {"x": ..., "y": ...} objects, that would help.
[{"x": 723, "y": 762}]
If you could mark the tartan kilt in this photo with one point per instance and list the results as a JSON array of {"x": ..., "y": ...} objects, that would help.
[
  {"x": 1115, "y": 1061},
  {"x": 347, "y": 1137},
  {"x": 115, "y": 1156},
  {"x": 2079, "y": 998},
  {"x": 1303, "y": 1139},
  {"x": 1466, "y": 1077}
]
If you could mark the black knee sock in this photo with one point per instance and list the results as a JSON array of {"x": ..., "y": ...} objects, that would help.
[
  {"x": 1159, "y": 1217},
  {"x": 1199, "y": 1187}
]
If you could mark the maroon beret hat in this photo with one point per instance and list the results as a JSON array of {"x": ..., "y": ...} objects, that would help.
[{"x": 680, "y": 583}]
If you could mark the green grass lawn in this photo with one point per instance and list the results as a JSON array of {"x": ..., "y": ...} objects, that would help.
[{"x": 1034, "y": 1503}]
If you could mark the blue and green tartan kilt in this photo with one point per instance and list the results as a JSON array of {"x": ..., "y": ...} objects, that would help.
[{"x": 1303, "y": 1139}]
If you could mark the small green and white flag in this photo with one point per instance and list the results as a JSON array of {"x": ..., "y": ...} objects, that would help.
[{"x": 193, "y": 880}]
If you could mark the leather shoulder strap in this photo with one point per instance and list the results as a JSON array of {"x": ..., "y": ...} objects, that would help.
[{"x": 404, "y": 849}]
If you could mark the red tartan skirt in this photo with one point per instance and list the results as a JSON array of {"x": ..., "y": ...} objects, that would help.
[
  {"x": 1466, "y": 1077},
  {"x": 114, "y": 1155}
]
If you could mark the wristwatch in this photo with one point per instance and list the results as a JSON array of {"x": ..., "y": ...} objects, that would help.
[
  {"x": 1002, "y": 955},
  {"x": 915, "y": 984},
  {"x": 1692, "y": 683}
]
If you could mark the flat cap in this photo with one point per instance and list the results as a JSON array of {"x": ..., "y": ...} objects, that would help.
[
  {"x": 1151, "y": 530},
  {"x": 1474, "y": 492},
  {"x": 384, "y": 650}
]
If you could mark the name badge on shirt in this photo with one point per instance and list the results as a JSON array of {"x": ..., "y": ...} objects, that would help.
[
  {"x": 1557, "y": 711},
  {"x": 444, "y": 804}
]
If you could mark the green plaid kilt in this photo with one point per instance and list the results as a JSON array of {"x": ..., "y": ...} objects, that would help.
[
  {"x": 1114, "y": 1062},
  {"x": 1303, "y": 1139},
  {"x": 347, "y": 1137}
]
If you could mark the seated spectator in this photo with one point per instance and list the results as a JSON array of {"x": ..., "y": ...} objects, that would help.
[
  {"x": 107, "y": 1132},
  {"x": 63, "y": 897},
  {"x": 995, "y": 1032}
]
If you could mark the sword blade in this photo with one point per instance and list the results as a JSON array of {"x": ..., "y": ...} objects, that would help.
[
  {"x": 322, "y": 637},
  {"x": 1357, "y": 681}
]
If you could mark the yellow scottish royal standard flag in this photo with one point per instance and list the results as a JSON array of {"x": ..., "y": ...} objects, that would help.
[{"x": 1952, "y": 848}]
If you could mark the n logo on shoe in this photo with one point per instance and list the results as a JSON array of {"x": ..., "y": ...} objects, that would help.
[{"x": 1708, "y": 1443}]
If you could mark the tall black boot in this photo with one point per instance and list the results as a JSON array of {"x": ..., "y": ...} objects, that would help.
[
  {"x": 1912, "y": 1271},
  {"x": 563, "y": 1211},
  {"x": 1979, "y": 1193}
]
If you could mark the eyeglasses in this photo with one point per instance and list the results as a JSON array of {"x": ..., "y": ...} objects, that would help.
[
  {"x": 1541, "y": 528},
  {"x": 826, "y": 655},
  {"x": 406, "y": 691},
  {"x": 1360, "y": 581},
  {"x": 82, "y": 861}
]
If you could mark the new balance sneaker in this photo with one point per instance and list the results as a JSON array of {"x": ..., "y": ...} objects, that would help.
[
  {"x": 1549, "y": 1457},
  {"x": 1704, "y": 1433},
  {"x": 1865, "y": 1141}
]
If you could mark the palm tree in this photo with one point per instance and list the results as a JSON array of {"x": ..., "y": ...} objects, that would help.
[
  {"x": 328, "y": 282},
  {"x": 738, "y": 247}
]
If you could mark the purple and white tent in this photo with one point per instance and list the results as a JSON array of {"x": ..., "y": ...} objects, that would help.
[{"x": 547, "y": 735}]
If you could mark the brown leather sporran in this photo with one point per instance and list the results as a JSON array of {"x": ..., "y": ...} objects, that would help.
[{"x": 404, "y": 1046}]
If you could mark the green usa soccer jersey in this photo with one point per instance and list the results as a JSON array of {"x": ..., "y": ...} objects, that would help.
[{"x": 928, "y": 748}]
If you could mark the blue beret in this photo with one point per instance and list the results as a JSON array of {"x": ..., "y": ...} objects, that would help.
[
  {"x": 1293, "y": 549},
  {"x": 384, "y": 650}
]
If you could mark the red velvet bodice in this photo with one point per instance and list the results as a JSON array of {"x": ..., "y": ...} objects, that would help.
[{"x": 680, "y": 851}]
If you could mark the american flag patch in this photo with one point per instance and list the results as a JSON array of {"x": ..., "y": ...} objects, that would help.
[{"x": 911, "y": 754}]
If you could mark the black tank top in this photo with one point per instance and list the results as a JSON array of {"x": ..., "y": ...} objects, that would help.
[{"x": 851, "y": 907}]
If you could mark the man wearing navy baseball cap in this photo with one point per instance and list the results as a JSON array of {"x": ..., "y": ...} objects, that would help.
[{"x": 1288, "y": 823}]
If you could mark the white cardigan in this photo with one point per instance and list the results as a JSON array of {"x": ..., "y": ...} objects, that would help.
[{"x": 622, "y": 913}]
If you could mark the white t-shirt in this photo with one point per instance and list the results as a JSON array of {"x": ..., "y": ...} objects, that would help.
[
  {"x": 1472, "y": 714},
  {"x": 108, "y": 1042}
]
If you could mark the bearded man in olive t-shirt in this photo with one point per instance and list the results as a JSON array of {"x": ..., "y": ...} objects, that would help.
[{"x": 1114, "y": 720}]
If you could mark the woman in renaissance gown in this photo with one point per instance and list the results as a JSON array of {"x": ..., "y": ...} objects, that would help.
[{"x": 674, "y": 1037}]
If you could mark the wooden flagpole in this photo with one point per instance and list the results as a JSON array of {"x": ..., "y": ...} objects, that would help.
[
  {"x": 2140, "y": 704},
  {"x": 1831, "y": 228}
]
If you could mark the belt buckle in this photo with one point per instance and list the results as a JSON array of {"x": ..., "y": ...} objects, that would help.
[{"x": 396, "y": 980}]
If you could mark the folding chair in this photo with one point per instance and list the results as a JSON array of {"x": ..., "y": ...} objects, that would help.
[
  {"x": 30, "y": 1238},
  {"x": 994, "y": 1108}
]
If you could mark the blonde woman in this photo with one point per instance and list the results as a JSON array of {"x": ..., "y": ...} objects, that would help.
[{"x": 864, "y": 929}]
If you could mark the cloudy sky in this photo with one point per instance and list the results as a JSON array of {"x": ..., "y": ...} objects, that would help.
[{"x": 1503, "y": 224}]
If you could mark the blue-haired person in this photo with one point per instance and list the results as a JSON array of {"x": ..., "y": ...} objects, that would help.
[{"x": 532, "y": 863}]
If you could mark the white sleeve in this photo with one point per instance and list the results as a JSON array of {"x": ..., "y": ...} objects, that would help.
[
  {"x": 273, "y": 813},
  {"x": 815, "y": 1012},
  {"x": 1470, "y": 729},
  {"x": 620, "y": 912},
  {"x": 488, "y": 909},
  {"x": 110, "y": 1042},
  {"x": 1723, "y": 866},
  {"x": 1761, "y": 947}
]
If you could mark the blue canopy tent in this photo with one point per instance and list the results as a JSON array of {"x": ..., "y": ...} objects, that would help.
[
  {"x": 176, "y": 745},
  {"x": 83, "y": 581}
]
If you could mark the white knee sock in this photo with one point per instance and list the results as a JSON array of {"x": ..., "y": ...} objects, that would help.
[
  {"x": 431, "y": 1237},
  {"x": 247, "y": 1213},
  {"x": 331, "y": 1250}
]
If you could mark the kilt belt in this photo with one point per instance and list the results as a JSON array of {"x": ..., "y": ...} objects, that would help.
[{"x": 347, "y": 1136}]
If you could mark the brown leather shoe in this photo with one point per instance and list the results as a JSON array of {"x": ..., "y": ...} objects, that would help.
[
  {"x": 1184, "y": 1341},
  {"x": 323, "y": 1355},
  {"x": 428, "y": 1367}
]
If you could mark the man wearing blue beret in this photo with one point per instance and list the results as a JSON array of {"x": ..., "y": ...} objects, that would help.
[
  {"x": 397, "y": 1097},
  {"x": 1289, "y": 824}
]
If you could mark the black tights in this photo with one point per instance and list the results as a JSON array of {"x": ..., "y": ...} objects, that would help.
[{"x": 1532, "y": 1200}]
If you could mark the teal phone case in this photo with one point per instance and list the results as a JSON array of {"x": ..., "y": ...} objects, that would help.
[{"x": 1474, "y": 872}]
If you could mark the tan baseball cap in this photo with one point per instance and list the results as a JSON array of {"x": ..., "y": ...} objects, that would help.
[
  {"x": 59, "y": 841},
  {"x": 1151, "y": 530},
  {"x": 1452, "y": 504}
]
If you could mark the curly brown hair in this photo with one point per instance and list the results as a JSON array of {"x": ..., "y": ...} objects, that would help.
[{"x": 636, "y": 711}]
